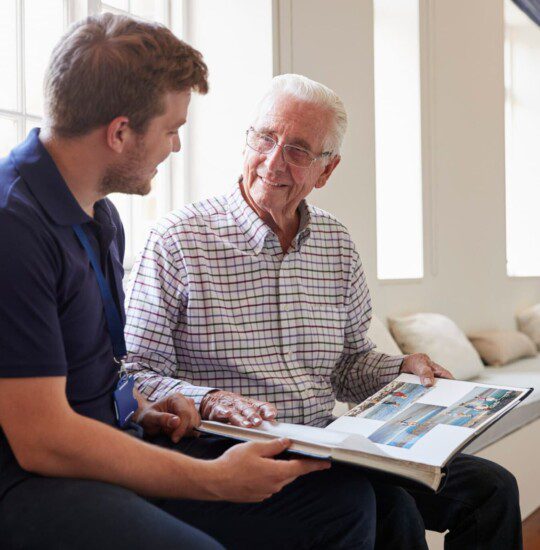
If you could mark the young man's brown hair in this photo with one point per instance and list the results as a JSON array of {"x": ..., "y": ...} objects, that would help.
[{"x": 112, "y": 65}]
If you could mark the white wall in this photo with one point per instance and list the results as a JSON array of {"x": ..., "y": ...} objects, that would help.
[
  {"x": 463, "y": 140},
  {"x": 235, "y": 37}
]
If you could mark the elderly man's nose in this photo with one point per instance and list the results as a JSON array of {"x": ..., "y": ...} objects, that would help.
[{"x": 275, "y": 159}]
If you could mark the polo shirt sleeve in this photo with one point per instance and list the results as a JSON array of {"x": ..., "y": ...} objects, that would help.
[
  {"x": 361, "y": 370},
  {"x": 31, "y": 341},
  {"x": 156, "y": 297}
]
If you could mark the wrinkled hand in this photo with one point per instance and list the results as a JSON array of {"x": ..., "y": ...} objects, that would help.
[
  {"x": 248, "y": 472},
  {"x": 224, "y": 406},
  {"x": 175, "y": 416},
  {"x": 426, "y": 369}
]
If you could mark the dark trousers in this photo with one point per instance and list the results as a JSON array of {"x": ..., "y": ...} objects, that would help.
[
  {"x": 328, "y": 509},
  {"x": 332, "y": 509},
  {"x": 479, "y": 506}
]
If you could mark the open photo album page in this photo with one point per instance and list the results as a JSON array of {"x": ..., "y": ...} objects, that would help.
[{"x": 426, "y": 424}]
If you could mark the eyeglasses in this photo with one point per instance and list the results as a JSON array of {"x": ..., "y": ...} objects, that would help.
[{"x": 292, "y": 154}]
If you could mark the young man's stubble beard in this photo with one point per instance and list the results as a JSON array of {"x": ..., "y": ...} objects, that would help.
[{"x": 127, "y": 175}]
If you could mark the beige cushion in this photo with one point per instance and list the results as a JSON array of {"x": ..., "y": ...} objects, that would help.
[
  {"x": 499, "y": 347},
  {"x": 441, "y": 339},
  {"x": 529, "y": 323},
  {"x": 382, "y": 338}
]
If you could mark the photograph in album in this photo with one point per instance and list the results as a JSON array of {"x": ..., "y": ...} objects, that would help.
[
  {"x": 390, "y": 401},
  {"x": 407, "y": 428},
  {"x": 477, "y": 407}
]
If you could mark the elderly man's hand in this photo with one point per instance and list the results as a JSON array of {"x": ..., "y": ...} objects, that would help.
[
  {"x": 225, "y": 406},
  {"x": 175, "y": 416},
  {"x": 426, "y": 369}
]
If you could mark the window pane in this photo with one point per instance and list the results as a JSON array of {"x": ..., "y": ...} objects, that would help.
[
  {"x": 154, "y": 10},
  {"x": 30, "y": 123},
  {"x": 118, "y": 4},
  {"x": 397, "y": 140},
  {"x": 8, "y": 54},
  {"x": 522, "y": 74},
  {"x": 109, "y": 9},
  {"x": 44, "y": 24},
  {"x": 8, "y": 134}
]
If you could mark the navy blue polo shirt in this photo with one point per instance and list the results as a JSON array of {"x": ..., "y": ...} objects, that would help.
[{"x": 52, "y": 321}]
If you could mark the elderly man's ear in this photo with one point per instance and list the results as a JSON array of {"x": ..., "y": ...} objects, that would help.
[{"x": 328, "y": 169}]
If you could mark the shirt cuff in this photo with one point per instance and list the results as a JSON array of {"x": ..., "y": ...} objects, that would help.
[
  {"x": 392, "y": 367},
  {"x": 196, "y": 393},
  {"x": 170, "y": 386}
]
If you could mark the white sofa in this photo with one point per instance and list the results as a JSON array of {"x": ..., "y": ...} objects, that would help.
[{"x": 513, "y": 442}]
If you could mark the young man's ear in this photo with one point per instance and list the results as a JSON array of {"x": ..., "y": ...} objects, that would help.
[
  {"x": 118, "y": 133},
  {"x": 327, "y": 172}
]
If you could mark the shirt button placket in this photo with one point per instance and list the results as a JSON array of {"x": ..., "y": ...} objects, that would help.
[
  {"x": 288, "y": 308},
  {"x": 288, "y": 333}
]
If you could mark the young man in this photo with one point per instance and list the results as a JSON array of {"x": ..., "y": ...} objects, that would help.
[{"x": 117, "y": 91}]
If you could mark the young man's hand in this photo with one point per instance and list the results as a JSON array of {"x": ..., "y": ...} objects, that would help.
[
  {"x": 248, "y": 472},
  {"x": 426, "y": 369},
  {"x": 175, "y": 416},
  {"x": 224, "y": 406}
]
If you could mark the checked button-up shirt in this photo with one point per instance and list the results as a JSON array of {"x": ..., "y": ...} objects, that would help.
[{"x": 213, "y": 303}]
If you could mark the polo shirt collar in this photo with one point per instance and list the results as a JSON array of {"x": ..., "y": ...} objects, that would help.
[
  {"x": 39, "y": 171},
  {"x": 254, "y": 228}
]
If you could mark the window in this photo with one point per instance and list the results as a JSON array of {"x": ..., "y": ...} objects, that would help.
[
  {"x": 397, "y": 140},
  {"x": 29, "y": 29},
  {"x": 522, "y": 123}
]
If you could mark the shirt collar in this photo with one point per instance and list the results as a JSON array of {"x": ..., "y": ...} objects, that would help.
[
  {"x": 304, "y": 229},
  {"x": 254, "y": 228},
  {"x": 247, "y": 220},
  {"x": 39, "y": 171}
]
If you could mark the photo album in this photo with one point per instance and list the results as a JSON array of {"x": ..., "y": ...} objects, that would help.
[{"x": 405, "y": 429}]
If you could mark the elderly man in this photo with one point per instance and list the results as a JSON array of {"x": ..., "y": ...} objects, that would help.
[{"x": 255, "y": 304}]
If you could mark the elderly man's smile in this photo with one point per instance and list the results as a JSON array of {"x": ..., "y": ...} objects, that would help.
[{"x": 274, "y": 184}]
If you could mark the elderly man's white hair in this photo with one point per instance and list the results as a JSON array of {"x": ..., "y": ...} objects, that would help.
[{"x": 310, "y": 91}]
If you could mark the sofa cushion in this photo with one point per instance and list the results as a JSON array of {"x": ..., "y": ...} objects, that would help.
[
  {"x": 441, "y": 339},
  {"x": 528, "y": 321},
  {"x": 499, "y": 347}
]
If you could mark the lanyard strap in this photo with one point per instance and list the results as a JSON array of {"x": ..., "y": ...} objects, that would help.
[{"x": 114, "y": 320}]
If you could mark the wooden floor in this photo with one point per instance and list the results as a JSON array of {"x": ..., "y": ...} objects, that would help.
[{"x": 531, "y": 532}]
